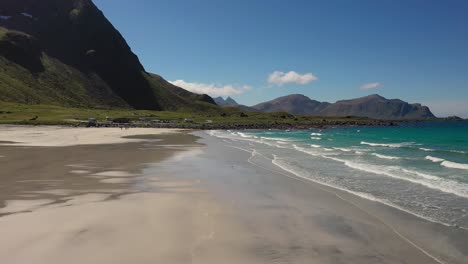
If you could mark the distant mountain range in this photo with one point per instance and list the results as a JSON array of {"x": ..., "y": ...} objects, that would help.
[
  {"x": 229, "y": 102},
  {"x": 225, "y": 102},
  {"x": 372, "y": 106},
  {"x": 66, "y": 52}
]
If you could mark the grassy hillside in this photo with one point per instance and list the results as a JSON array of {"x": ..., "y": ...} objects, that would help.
[
  {"x": 68, "y": 54},
  {"x": 14, "y": 113}
]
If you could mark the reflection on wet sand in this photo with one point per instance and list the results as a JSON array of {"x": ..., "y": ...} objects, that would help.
[{"x": 33, "y": 177}]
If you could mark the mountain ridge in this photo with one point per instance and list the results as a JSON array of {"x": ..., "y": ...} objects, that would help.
[
  {"x": 66, "y": 52},
  {"x": 225, "y": 102},
  {"x": 229, "y": 102},
  {"x": 372, "y": 106}
]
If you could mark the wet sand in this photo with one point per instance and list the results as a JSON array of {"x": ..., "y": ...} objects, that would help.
[{"x": 173, "y": 198}]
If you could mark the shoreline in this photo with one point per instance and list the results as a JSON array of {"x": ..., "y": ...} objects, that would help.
[
  {"x": 279, "y": 124},
  {"x": 439, "y": 243},
  {"x": 189, "y": 197}
]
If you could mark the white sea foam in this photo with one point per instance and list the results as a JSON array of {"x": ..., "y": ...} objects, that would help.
[
  {"x": 434, "y": 159},
  {"x": 316, "y": 138},
  {"x": 427, "y": 149},
  {"x": 429, "y": 181},
  {"x": 245, "y": 135},
  {"x": 385, "y": 156},
  {"x": 317, "y": 151},
  {"x": 308, "y": 151},
  {"x": 344, "y": 149},
  {"x": 422, "y": 175},
  {"x": 276, "y": 161},
  {"x": 454, "y": 165},
  {"x": 316, "y": 134},
  {"x": 389, "y": 145},
  {"x": 279, "y": 139}
]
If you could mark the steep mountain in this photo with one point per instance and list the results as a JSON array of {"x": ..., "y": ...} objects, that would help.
[
  {"x": 66, "y": 52},
  {"x": 372, "y": 106},
  {"x": 225, "y": 102},
  {"x": 296, "y": 104}
]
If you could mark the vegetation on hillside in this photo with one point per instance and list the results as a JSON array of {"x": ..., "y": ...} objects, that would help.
[
  {"x": 66, "y": 53},
  {"x": 14, "y": 113}
]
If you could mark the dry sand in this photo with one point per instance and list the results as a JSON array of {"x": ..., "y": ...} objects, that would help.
[{"x": 54, "y": 136}]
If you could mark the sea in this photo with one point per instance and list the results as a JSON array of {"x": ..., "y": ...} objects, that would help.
[{"x": 420, "y": 168}]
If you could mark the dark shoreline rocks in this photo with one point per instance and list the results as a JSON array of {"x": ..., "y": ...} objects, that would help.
[{"x": 254, "y": 126}]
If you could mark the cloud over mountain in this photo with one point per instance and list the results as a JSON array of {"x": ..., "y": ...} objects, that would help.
[
  {"x": 369, "y": 86},
  {"x": 281, "y": 78},
  {"x": 211, "y": 89}
]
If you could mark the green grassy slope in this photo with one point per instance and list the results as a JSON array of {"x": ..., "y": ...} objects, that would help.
[
  {"x": 69, "y": 54},
  {"x": 14, "y": 113}
]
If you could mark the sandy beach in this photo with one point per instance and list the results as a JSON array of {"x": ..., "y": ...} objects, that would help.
[
  {"x": 79, "y": 195},
  {"x": 54, "y": 136}
]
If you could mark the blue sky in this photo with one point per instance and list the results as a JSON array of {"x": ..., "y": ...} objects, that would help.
[{"x": 328, "y": 50}]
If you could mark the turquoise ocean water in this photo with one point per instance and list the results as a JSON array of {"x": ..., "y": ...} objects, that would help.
[{"x": 420, "y": 168}]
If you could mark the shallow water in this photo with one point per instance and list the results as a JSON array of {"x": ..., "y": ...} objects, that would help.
[{"x": 420, "y": 168}]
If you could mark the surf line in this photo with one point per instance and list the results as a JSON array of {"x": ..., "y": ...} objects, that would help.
[{"x": 297, "y": 178}]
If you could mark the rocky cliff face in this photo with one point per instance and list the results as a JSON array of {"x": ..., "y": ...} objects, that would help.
[
  {"x": 372, "y": 106},
  {"x": 67, "y": 52}
]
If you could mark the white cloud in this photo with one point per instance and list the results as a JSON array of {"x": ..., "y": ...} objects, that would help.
[
  {"x": 280, "y": 78},
  {"x": 369, "y": 86},
  {"x": 211, "y": 89}
]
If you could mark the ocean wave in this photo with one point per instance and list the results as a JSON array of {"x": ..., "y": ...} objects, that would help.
[
  {"x": 454, "y": 165},
  {"x": 279, "y": 139},
  {"x": 385, "y": 156},
  {"x": 434, "y": 159},
  {"x": 427, "y": 149},
  {"x": 422, "y": 175},
  {"x": 316, "y": 138},
  {"x": 308, "y": 151},
  {"x": 301, "y": 174},
  {"x": 441, "y": 150},
  {"x": 429, "y": 181},
  {"x": 245, "y": 135},
  {"x": 315, "y": 146},
  {"x": 344, "y": 149},
  {"x": 389, "y": 145},
  {"x": 316, "y": 134},
  {"x": 448, "y": 164}
]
